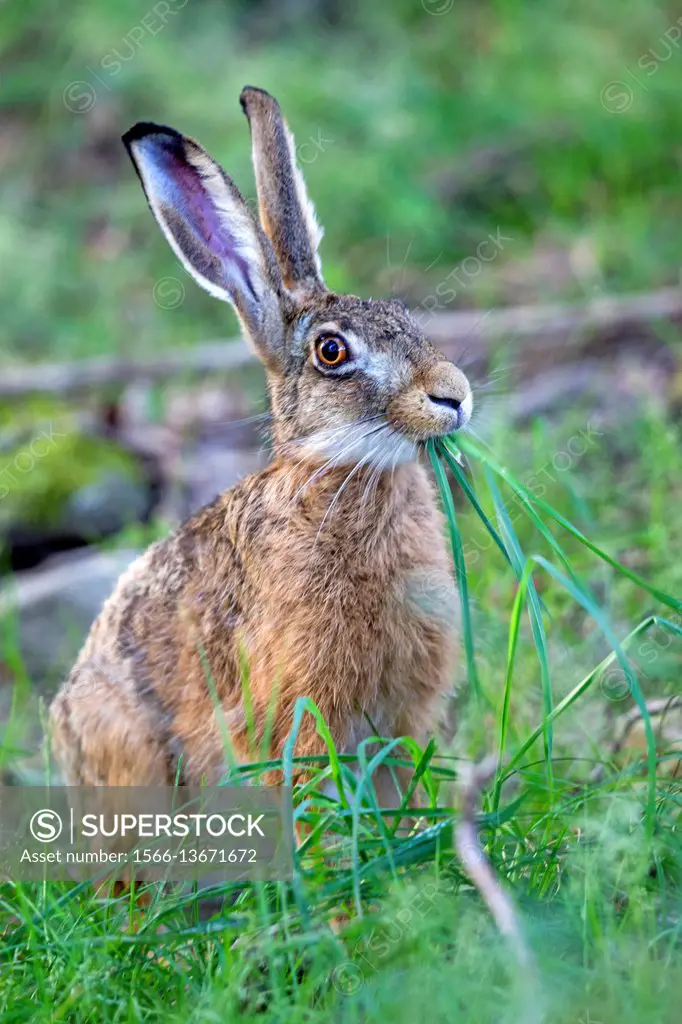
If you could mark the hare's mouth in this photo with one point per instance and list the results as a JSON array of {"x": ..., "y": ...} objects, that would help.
[
  {"x": 435, "y": 401},
  {"x": 387, "y": 439},
  {"x": 426, "y": 415},
  {"x": 461, "y": 410}
]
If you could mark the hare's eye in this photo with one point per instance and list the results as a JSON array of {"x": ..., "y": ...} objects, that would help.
[{"x": 331, "y": 350}]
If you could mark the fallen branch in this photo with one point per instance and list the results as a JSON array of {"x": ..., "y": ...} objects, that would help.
[
  {"x": 68, "y": 378},
  {"x": 553, "y": 323},
  {"x": 658, "y": 708},
  {"x": 480, "y": 872},
  {"x": 476, "y": 864},
  {"x": 534, "y": 329}
]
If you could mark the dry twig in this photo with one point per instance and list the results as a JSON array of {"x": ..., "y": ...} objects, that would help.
[
  {"x": 536, "y": 330},
  {"x": 480, "y": 872}
]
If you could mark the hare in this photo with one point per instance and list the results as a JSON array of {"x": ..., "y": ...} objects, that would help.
[{"x": 327, "y": 574}]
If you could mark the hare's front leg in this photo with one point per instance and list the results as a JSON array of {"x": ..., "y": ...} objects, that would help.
[{"x": 102, "y": 736}]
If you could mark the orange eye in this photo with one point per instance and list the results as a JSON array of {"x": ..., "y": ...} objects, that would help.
[{"x": 331, "y": 350}]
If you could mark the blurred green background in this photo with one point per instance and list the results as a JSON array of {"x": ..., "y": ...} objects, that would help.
[{"x": 422, "y": 125}]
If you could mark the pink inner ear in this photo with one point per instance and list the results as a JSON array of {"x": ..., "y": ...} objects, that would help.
[{"x": 178, "y": 188}]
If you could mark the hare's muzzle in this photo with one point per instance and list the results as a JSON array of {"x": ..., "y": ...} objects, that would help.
[{"x": 437, "y": 401}]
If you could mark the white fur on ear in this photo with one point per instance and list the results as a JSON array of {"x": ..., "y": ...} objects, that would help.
[
  {"x": 313, "y": 226},
  {"x": 241, "y": 273},
  {"x": 203, "y": 216}
]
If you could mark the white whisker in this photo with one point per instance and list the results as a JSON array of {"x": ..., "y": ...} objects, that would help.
[
  {"x": 321, "y": 439},
  {"x": 375, "y": 477},
  {"x": 346, "y": 480},
  {"x": 335, "y": 459},
  {"x": 383, "y": 466}
]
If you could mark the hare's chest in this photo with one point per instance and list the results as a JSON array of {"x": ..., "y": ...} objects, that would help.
[
  {"x": 360, "y": 628},
  {"x": 360, "y": 616}
]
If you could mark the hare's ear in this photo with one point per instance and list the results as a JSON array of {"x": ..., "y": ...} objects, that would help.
[
  {"x": 210, "y": 228},
  {"x": 286, "y": 212}
]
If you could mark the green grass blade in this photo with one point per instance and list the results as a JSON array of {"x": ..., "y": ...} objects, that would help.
[
  {"x": 596, "y": 613},
  {"x": 518, "y": 562},
  {"x": 422, "y": 764},
  {"x": 460, "y": 567},
  {"x": 461, "y": 478},
  {"x": 482, "y": 455},
  {"x": 543, "y": 530},
  {"x": 368, "y": 770},
  {"x": 581, "y": 688},
  {"x": 302, "y": 705},
  {"x": 514, "y": 625}
]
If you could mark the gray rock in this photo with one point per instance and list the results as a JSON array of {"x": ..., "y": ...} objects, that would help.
[
  {"x": 204, "y": 473},
  {"x": 50, "y": 610},
  {"x": 106, "y": 506},
  {"x": 214, "y": 470}
]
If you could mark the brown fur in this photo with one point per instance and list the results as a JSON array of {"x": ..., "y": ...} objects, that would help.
[
  {"x": 328, "y": 579},
  {"x": 286, "y": 213}
]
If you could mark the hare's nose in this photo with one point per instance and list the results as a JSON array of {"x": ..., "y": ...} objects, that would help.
[
  {"x": 445, "y": 391},
  {"x": 449, "y": 403},
  {"x": 452, "y": 403}
]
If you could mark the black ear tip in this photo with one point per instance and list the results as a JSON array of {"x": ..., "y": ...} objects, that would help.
[
  {"x": 139, "y": 131},
  {"x": 145, "y": 129}
]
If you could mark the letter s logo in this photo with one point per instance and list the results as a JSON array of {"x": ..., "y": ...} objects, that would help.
[{"x": 45, "y": 826}]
